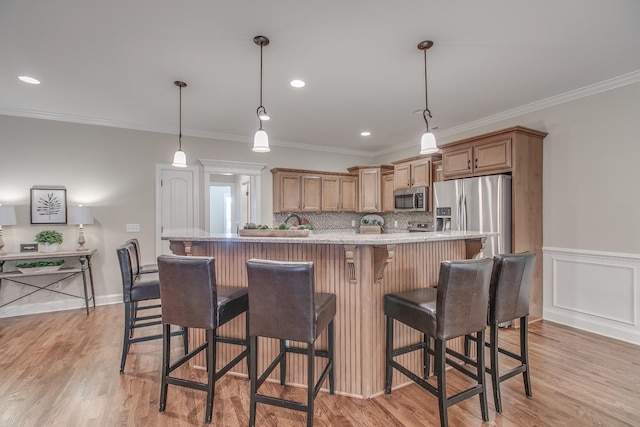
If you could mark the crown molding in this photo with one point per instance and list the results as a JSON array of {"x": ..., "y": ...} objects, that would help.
[{"x": 563, "y": 98}]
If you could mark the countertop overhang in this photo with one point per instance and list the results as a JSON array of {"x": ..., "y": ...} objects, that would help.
[{"x": 332, "y": 238}]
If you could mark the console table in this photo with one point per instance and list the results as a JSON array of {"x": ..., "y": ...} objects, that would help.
[{"x": 13, "y": 275}]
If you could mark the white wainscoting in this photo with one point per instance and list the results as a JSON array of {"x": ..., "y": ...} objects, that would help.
[{"x": 591, "y": 290}]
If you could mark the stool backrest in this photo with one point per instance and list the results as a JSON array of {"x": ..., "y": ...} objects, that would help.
[
  {"x": 511, "y": 286},
  {"x": 125, "y": 254},
  {"x": 188, "y": 292},
  {"x": 135, "y": 256},
  {"x": 281, "y": 300},
  {"x": 463, "y": 297}
]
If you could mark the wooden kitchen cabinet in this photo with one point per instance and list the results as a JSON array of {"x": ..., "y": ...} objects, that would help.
[
  {"x": 370, "y": 186},
  {"x": 388, "y": 185},
  {"x": 339, "y": 193},
  {"x": 437, "y": 171},
  {"x": 482, "y": 157},
  {"x": 414, "y": 172},
  {"x": 297, "y": 190},
  {"x": 311, "y": 193}
]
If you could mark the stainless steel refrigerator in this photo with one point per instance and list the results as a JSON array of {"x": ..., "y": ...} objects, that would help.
[{"x": 476, "y": 204}]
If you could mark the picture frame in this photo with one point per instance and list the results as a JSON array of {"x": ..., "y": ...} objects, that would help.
[{"x": 48, "y": 205}]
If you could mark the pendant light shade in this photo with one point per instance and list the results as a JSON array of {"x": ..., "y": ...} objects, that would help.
[
  {"x": 180, "y": 159},
  {"x": 261, "y": 139},
  {"x": 261, "y": 142},
  {"x": 428, "y": 141}
]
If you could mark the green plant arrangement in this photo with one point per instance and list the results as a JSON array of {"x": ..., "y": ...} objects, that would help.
[
  {"x": 48, "y": 236},
  {"x": 40, "y": 264}
]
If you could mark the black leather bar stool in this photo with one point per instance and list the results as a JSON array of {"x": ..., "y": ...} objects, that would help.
[
  {"x": 135, "y": 289},
  {"x": 458, "y": 306},
  {"x": 191, "y": 299},
  {"x": 284, "y": 306},
  {"x": 508, "y": 300},
  {"x": 139, "y": 268}
]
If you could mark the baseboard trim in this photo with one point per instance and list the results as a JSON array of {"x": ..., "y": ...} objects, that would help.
[{"x": 47, "y": 307}]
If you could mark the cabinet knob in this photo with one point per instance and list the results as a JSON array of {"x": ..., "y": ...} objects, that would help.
[
  {"x": 469, "y": 164},
  {"x": 476, "y": 162}
]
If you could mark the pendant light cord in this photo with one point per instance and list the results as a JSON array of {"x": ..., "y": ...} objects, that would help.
[
  {"x": 426, "y": 111},
  {"x": 261, "y": 107},
  {"x": 180, "y": 133}
]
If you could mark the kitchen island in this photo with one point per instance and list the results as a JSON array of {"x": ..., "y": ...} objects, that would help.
[{"x": 360, "y": 269}]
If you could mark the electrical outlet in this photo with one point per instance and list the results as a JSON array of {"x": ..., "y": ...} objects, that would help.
[
  {"x": 133, "y": 228},
  {"x": 353, "y": 223},
  {"x": 395, "y": 224}
]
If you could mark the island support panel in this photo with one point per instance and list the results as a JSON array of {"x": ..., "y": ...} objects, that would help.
[{"x": 359, "y": 321}]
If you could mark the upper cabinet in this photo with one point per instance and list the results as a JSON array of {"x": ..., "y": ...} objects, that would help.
[
  {"x": 370, "y": 187},
  {"x": 486, "y": 156},
  {"x": 339, "y": 193},
  {"x": 388, "y": 183},
  {"x": 414, "y": 172},
  {"x": 311, "y": 191}
]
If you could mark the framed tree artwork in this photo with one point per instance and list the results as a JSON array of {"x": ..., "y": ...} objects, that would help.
[{"x": 48, "y": 205}]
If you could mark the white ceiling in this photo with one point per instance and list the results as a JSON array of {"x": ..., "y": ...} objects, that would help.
[{"x": 114, "y": 62}]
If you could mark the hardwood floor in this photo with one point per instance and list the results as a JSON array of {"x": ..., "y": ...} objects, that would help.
[{"x": 61, "y": 369}]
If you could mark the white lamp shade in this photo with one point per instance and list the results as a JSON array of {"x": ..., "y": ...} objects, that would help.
[
  {"x": 179, "y": 159},
  {"x": 428, "y": 144},
  {"x": 7, "y": 215},
  {"x": 261, "y": 142},
  {"x": 80, "y": 215}
]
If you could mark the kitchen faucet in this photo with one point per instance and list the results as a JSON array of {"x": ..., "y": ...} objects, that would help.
[{"x": 292, "y": 215}]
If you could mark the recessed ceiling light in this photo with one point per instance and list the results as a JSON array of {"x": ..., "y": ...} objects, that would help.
[
  {"x": 365, "y": 133},
  {"x": 29, "y": 80},
  {"x": 297, "y": 83}
]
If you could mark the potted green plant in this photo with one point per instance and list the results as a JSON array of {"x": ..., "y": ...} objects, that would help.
[{"x": 48, "y": 240}]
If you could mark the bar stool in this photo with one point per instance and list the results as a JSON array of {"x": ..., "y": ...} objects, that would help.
[
  {"x": 458, "y": 306},
  {"x": 283, "y": 305},
  {"x": 191, "y": 299},
  {"x": 508, "y": 300},
  {"x": 135, "y": 289},
  {"x": 139, "y": 268}
]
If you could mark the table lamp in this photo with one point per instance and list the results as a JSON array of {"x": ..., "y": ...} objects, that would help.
[
  {"x": 7, "y": 217},
  {"x": 80, "y": 215}
]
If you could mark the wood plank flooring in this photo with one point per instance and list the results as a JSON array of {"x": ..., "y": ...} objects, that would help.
[{"x": 61, "y": 369}]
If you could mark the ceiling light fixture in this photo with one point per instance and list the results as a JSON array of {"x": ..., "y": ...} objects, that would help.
[
  {"x": 428, "y": 141},
  {"x": 30, "y": 80},
  {"x": 261, "y": 139},
  {"x": 297, "y": 83},
  {"x": 365, "y": 133},
  {"x": 180, "y": 159}
]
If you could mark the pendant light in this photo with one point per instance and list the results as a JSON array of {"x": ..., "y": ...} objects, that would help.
[
  {"x": 428, "y": 141},
  {"x": 261, "y": 139},
  {"x": 180, "y": 159}
]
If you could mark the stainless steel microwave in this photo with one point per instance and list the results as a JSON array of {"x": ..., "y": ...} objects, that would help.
[{"x": 414, "y": 199}]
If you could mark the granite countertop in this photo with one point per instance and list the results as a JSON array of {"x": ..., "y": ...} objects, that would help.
[{"x": 328, "y": 237}]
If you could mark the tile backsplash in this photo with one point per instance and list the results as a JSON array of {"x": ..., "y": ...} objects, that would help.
[{"x": 343, "y": 220}]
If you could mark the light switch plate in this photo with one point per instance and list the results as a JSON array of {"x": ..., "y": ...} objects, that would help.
[{"x": 133, "y": 228}]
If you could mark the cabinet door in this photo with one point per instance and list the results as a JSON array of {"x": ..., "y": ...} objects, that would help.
[
  {"x": 331, "y": 194},
  {"x": 402, "y": 175},
  {"x": 311, "y": 193},
  {"x": 493, "y": 156},
  {"x": 457, "y": 163},
  {"x": 420, "y": 173},
  {"x": 289, "y": 193},
  {"x": 438, "y": 176},
  {"x": 348, "y": 194},
  {"x": 388, "y": 185},
  {"x": 369, "y": 190}
]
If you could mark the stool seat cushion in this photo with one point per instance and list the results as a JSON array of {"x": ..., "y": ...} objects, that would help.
[
  {"x": 148, "y": 268},
  {"x": 415, "y": 308},
  {"x": 325, "y": 310},
  {"x": 145, "y": 287},
  {"x": 232, "y": 300}
]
